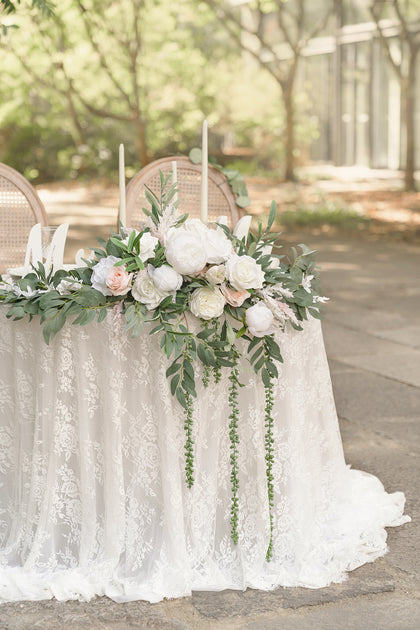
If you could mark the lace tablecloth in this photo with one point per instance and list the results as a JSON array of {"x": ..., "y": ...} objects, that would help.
[{"x": 93, "y": 497}]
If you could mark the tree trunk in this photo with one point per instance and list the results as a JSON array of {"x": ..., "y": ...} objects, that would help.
[
  {"x": 410, "y": 91},
  {"x": 141, "y": 142},
  {"x": 289, "y": 173}
]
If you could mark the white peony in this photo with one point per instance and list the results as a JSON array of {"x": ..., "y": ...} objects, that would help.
[
  {"x": 165, "y": 278},
  {"x": 100, "y": 272},
  {"x": 185, "y": 252},
  {"x": 65, "y": 287},
  {"x": 218, "y": 246},
  {"x": 207, "y": 303},
  {"x": 148, "y": 244},
  {"x": 196, "y": 226},
  {"x": 243, "y": 272},
  {"x": 145, "y": 291},
  {"x": 216, "y": 274},
  {"x": 259, "y": 320}
]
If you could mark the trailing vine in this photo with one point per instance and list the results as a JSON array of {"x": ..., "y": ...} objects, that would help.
[
  {"x": 188, "y": 425},
  {"x": 234, "y": 442},
  {"x": 269, "y": 448}
]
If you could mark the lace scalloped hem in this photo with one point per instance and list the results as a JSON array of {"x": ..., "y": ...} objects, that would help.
[{"x": 354, "y": 537}]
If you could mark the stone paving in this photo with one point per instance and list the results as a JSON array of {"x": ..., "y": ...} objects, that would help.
[{"x": 372, "y": 336}]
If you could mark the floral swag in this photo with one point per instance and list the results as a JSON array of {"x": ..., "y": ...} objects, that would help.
[{"x": 236, "y": 287}]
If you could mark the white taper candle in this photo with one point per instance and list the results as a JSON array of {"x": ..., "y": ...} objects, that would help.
[
  {"x": 121, "y": 178},
  {"x": 174, "y": 179},
  {"x": 204, "y": 175}
]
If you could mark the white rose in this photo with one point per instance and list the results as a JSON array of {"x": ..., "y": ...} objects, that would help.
[
  {"x": 145, "y": 291},
  {"x": 218, "y": 246},
  {"x": 259, "y": 320},
  {"x": 243, "y": 272},
  {"x": 100, "y": 272},
  {"x": 65, "y": 287},
  {"x": 165, "y": 278},
  {"x": 185, "y": 252},
  {"x": 148, "y": 244},
  {"x": 207, "y": 303},
  {"x": 216, "y": 274}
]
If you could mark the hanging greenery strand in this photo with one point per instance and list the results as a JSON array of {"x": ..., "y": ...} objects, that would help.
[
  {"x": 234, "y": 442},
  {"x": 269, "y": 448}
]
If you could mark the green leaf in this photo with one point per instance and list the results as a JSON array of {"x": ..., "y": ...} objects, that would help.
[
  {"x": 181, "y": 397},
  {"x": 172, "y": 369},
  {"x": 231, "y": 334},
  {"x": 52, "y": 326},
  {"x": 265, "y": 375},
  {"x": 195, "y": 155},
  {"x": 201, "y": 351},
  {"x": 174, "y": 383},
  {"x": 315, "y": 313},
  {"x": 88, "y": 296},
  {"x": 243, "y": 201},
  {"x": 101, "y": 315},
  {"x": 272, "y": 215},
  {"x": 256, "y": 354},
  {"x": 259, "y": 363},
  {"x": 80, "y": 319},
  {"x": 91, "y": 314}
]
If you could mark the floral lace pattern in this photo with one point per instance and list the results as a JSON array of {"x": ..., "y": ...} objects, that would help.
[{"x": 93, "y": 498}]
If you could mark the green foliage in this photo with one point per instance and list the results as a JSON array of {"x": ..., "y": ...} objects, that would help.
[{"x": 326, "y": 212}]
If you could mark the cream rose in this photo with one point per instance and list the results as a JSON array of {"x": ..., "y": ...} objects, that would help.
[
  {"x": 100, "y": 272},
  {"x": 148, "y": 244},
  {"x": 243, "y": 272},
  {"x": 207, "y": 303},
  {"x": 145, "y": 291},
  {"x": 118, "y": 280},
  {"x": 185, "y": 252},
  {"x": 232, "y": 297},
  {"x": 216, "y": 274},
  {"x": 165, "y": 278},
  {"x": 259, "y": 320},
  {"x": 218, "y": 246}
]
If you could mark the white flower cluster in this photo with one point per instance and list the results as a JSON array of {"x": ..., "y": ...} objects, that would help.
[{"x": 192, "y": 250}]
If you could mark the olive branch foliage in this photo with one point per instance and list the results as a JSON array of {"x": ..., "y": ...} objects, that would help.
[{"x": 218, "y": 344}]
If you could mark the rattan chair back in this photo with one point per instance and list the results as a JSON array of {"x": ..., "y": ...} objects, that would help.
[
  {"x": 221, "y": 200},
  {"x": 20, "y": 209}
]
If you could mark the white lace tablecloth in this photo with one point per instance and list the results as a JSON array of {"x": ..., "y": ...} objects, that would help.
[{"x": 93, "y": 497}]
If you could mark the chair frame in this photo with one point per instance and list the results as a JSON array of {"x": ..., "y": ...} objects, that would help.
[
  {"x": 134, "y": 187},
  {"x": 27, "y": 191}
]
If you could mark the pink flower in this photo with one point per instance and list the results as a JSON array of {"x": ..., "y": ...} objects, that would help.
[
  {"x": 118, "y": 280},
  {"x": 232, "y": 297}
]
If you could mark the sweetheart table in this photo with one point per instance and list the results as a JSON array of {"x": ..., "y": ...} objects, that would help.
[{"x": 93, "y": 499}]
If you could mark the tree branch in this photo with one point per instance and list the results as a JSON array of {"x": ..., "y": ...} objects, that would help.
[
  {"x": 102, "y": 59},
  {"x": 375, "y": 10}
]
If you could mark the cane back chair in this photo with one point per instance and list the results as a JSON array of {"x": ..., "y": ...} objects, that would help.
[
  {"x": 221, "y": 200},
  {"x": 20, "y": 209}
]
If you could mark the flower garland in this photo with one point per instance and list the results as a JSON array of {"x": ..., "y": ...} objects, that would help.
[{"x": 237, "y": 289}]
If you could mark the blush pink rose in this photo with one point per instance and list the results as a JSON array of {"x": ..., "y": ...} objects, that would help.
[
  {"x": 118, "y": 280},
  {"x": 232, "y": 297}
]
